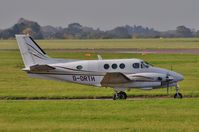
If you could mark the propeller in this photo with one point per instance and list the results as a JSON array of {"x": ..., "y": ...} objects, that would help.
[
  {"x": 171, "y": 70},
  {"x": 169, "y": 78},
  {"x": 167, "y": 82}
]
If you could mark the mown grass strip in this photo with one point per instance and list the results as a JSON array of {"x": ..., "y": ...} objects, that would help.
[{"x": 100, "y": 115}]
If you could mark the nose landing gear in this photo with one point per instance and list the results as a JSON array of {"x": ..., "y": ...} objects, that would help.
[
  {"x": 178, "y": 95},
  {"x": 119, "y": 96}
]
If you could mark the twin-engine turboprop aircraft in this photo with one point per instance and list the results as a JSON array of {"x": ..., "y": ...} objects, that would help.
[{"x": 119, "y": 74}]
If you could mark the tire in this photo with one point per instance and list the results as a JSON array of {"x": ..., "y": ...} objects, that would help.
[
  {"x": 178, "y": 96},
  {"x": 114, "y": 97},
  {"x": 122, "y": 95}
]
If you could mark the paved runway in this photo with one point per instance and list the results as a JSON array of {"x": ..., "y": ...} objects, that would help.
[{"x": 141, "y": 51}]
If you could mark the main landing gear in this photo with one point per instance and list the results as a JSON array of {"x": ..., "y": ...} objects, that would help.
[
  {"x": 121, "y": 95},
  {"x": 178, "y": 94}
]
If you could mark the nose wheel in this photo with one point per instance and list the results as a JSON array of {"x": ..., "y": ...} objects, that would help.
[
  {"x": 178, "y": 95},
  {"x": 119, "y": 96}
]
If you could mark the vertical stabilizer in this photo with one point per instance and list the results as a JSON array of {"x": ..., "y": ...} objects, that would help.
[{"x": 31, "y": 53}]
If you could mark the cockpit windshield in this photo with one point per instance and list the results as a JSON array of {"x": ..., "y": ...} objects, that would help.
[{"x": 145, "y": 64}]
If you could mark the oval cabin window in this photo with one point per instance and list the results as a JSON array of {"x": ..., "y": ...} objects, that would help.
[
  {"x": 114, "y": 66},
  {"x": 106, "y": 66},
  {"x": 79, "y": 67},
  {"x": 122, "y": 65}
]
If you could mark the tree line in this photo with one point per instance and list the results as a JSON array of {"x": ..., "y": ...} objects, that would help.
[{"x": 77, "y": 31}]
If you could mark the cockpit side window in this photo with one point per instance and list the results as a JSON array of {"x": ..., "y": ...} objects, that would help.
[
  {"x": 136, "y": 65},
  {"x": 142, "y": 65}
]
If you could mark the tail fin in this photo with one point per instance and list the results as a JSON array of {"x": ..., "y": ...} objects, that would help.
[{"x": 31, "y": 53}]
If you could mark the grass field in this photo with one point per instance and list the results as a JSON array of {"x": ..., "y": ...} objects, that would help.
[
  {"x": 150, "y": 115},
  {"x": 180, "y": 43},
  {"x": 96, "y": 115}
]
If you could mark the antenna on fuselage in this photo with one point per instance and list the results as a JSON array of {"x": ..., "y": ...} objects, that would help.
[{"x": 99, "y": 57}]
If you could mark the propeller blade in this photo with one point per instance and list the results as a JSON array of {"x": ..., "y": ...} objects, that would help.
[
  {"x": 167, "y": 87},
  {"x": 167, "y": 80}
]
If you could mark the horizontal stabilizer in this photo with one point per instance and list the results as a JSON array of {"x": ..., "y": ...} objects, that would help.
[{"x": 41, "y": 68}]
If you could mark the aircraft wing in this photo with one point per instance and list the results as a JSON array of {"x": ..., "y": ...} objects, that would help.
[
  {"x": 111, "y": 79},
  {"x": 147, "y": 77},
  {"x": 114, "y": 78},
  {"x": 140, "y": 78}
]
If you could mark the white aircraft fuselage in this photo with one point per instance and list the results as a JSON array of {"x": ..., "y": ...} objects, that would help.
[
  {"x": 92, "y": 72},
  {"x": 120, "y": 74}
]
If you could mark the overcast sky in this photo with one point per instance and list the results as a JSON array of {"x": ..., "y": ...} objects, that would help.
[{"x": 103, "y": 14}]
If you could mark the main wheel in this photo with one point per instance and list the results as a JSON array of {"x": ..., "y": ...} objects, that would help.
[
  {"x": 178, "y": 96},
  {"x": 122, "y": 95},
  {"x": 115, "y": 96}
]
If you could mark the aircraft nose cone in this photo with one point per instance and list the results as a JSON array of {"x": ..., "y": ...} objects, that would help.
[
  {"x": 176, "y": 76},
  {"x": 179, "y": 77}
]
